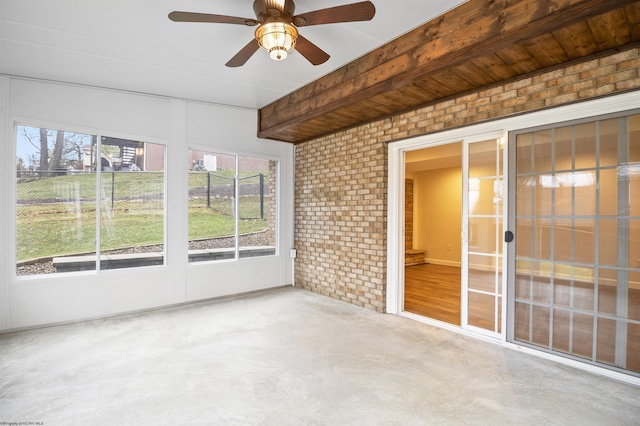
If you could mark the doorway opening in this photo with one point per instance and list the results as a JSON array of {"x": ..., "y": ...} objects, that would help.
[
  {"x": 454, "y": 209},
  {"x": 433, "y": 215}
]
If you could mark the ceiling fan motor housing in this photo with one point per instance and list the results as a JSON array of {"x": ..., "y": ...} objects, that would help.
[{"x": 274, "y": 10}]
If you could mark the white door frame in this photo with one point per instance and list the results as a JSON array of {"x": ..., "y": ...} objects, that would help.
[
  {"x": 395, "y": 206},
  {"x": 395, "y": 246}
]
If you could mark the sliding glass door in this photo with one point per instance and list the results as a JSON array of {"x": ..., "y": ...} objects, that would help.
[
  {"x": 482, "y": 231},
  {"x": 575, "y": 265}
]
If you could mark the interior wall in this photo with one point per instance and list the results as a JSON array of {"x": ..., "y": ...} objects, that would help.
[
  {"x": 178, "y": 124},
  {"x": 438, "y": 214}
]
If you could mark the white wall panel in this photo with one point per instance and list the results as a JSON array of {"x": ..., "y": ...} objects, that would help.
[
  {"x": 7, "y": 159},
  {"x": 99, "y": 109},
  {"x": 227, "y": 128},
  {"x": 48, "y": 299},
  {"x": 226, "y": 278},
  {"x": 73, "y": 297},
  {"x": 177, "y": 201}
]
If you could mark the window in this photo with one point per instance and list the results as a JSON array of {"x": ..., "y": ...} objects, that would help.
[
  {"x": 232, "y": 207},
  {"x": 132, "y": 204},
  {"x": 60, "y": 177}
]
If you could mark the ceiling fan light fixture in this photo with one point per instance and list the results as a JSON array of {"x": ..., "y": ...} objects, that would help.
[
  {"x": 277, "y": 38},
  {"x": 277, "y": 31}
]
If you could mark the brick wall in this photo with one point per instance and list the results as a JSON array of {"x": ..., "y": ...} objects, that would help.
[
  {"x": 340, "y": 218},
  {"x": 341, "y": 179},
  {"x": 270, "y": 196},
  {"x": 153, "y": 157}
]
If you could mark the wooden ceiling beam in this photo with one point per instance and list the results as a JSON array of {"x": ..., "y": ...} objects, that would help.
[{"x": 474, "y": 30}]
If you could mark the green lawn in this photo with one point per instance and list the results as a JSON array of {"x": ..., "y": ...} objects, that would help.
[
  {"x": 62, "y": 228},
  {"x": 63, "y": 232}
]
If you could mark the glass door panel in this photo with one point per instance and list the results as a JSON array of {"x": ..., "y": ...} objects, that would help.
[
  {"x": 482, "y": 236},
  {"x": 575, "y": 263}
]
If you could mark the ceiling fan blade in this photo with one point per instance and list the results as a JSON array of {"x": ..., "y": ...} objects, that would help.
[
  {"x": 313, "y": 53},
  {"x": 363, "y": 11},
  {"x": 210, "y": 18},
  {"x": 244, "y": 54}
]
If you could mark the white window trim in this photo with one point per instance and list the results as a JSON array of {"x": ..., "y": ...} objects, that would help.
[
  {"x": 17, "y": 121},
  {"x": 277, "y": 222}
]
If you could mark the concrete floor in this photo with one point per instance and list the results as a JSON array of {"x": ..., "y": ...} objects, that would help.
[{"x": 289, "y": 357}]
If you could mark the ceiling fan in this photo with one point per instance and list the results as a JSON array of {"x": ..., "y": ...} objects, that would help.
[{"x": 277, "y": 32}]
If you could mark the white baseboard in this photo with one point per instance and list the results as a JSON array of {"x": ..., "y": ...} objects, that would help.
[{"x": 443, "y": 262}]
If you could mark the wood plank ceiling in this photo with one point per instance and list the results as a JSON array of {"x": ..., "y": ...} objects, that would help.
[{"x": 478, "y": 44}]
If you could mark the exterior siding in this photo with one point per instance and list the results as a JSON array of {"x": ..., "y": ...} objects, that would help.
[{"x": 341, "y": 179}]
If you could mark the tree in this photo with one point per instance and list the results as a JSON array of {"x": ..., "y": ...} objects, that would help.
[
  {"x": 49, "y": 150},
  {"x": 19, "y": 166},
  {"x": 57, "y": 151},
  {"x": 73, "y": 151},
  {"x": 52, "y": 150},
  {"x": 44, "y": 149}
]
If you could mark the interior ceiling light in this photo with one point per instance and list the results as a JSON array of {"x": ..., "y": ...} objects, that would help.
[
  {"x": 277, "y": 38},
  {"x": 277, "y": 32}
]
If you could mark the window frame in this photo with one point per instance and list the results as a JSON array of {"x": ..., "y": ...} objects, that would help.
[
  {"x": 277, "y": 197},
  {"x": 15, "y": 123}
]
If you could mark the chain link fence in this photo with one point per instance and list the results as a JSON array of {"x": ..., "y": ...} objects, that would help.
[
  {"x": 41, "y": 191},
  {"x": 217, "y": 191},
  {"x": 48, "y": 192}
]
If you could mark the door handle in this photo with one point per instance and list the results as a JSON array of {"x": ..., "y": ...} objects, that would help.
[{"x": 508, "y": 236}]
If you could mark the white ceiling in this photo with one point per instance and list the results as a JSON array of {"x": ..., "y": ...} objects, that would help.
[{"x": 132, "y": 45}]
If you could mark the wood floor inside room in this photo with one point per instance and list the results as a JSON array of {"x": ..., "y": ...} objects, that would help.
[{"x": 433, "y": 291}]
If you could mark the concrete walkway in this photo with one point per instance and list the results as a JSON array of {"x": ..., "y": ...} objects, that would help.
[{"x": 289, "y": 357}]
